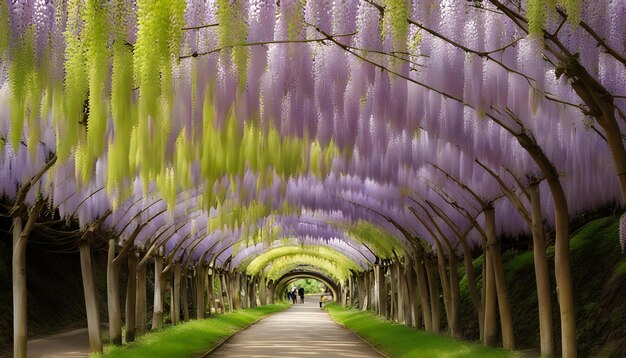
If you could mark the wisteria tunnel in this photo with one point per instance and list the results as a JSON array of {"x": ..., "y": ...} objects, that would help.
[{"x": 199, "y": 156}]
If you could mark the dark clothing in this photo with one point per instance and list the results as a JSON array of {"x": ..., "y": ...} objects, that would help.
[{"x": 301, "y": 294}]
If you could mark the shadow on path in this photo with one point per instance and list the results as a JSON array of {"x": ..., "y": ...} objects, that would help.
[
  {"x": 304, "y": 330},
  {"x": 70, "y": 344}
]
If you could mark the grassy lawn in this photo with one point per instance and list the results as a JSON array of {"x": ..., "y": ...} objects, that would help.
[
  {"x": 396, "y": 340},
  {"x": 192, "y": 338}
]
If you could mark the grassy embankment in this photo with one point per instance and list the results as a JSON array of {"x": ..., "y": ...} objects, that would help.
[
  {"x": 191, "y": 338},
  {"x": 397, "y": 340},
  {"x": 599, "y": 279}
]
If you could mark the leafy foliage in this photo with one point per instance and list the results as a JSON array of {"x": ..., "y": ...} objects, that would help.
[
  {"x": 320, "y": 252},
  {"x": 76, "y": 88},
  {"x": 380, "y": 241},
  {"x": 396, "y": 14}
]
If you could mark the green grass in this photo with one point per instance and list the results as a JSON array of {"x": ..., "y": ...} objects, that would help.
[
  {"x": 192, "y": 338},
  {"x": 398, "y": 340}
]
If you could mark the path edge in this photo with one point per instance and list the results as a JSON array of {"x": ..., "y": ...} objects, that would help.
[{"x": 361, "y": 338}]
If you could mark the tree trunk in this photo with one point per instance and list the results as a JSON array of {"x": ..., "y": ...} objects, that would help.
[
  {"x": 176, "y": 294},
  {"x": 434, "y": 295},
  {"x": 271, "y": 288},
  {"x": 226, "y": 294},
  {"x": 562, "y": 268},
  {"x": 376, "y": 288},
  {"x": 20, "y": 330},
  {"x": 349, "y": 293},
  {"x": 455, "y": 294},
  {"x": 410, "y": 310},
  {"x": 113, "y": 297},
  {"x": 382, "y": 290},
  {"x": 422, "y": 286},
  {"x": 506, "y": 320},
  {"x": 131, "y": 297},
  {"x": 471, "y": 284},
  {"x": 263, "y": 290},
  {"x": 200, "y": 291},
  {"x": 235, "y": 294},
  {"x": 360, "y": 292},
  {"x": 157, "y": 313},
  {"x": 91, "y": 300},
  {"x": 445, "y": 285},
  {"x": 490, "y": 333},
  {"x": 542, "y": 274},
  {"x": 252, "y": 292},
  {"x": 210, "y": 282},
  {"x": 395, "y": 295},
  {"x": 141, "y": 303},
  {"x": 20, "y": 237},
  {"x": 184, "y": 294}
]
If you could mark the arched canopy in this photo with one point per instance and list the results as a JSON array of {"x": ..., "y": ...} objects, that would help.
[
  {"x": 220, "y": 130},
  {"x": 283, "y": 282}
]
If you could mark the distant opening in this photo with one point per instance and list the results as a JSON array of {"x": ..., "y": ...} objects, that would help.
[{"x": 310, "y": 285}]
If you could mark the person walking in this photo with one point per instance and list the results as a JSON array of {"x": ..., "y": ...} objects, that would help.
[
  {"x": 294, "y": 296},
  {"x": 322, "y": 299},
  {"x": 301, "y": 293}
]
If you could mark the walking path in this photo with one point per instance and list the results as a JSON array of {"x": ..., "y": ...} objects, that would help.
[
  {"x": 301, "y": 331},
  {"x": 70, "y": 344}
]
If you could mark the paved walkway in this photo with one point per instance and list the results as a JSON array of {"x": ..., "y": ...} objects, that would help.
[
  {"x": 71, "y": 344},
  {"x": 302, "y": 331}
]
